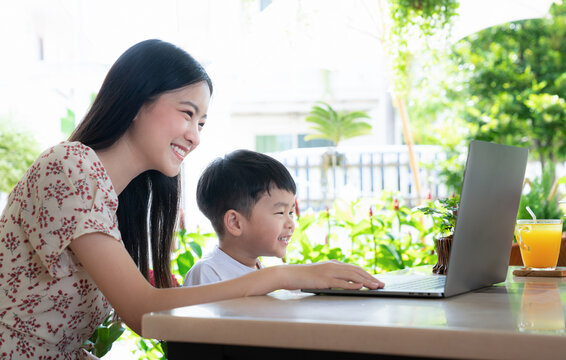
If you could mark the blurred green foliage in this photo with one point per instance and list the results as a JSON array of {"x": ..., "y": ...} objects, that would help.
[
  {"x": 188, "y": 251},
  {"x": 378, "y": 235},
  {"x": 505, "y": 84},
  {"x": 515, "y": 84},
  {"x": 415, "y": 20},
  {"x": 443, "y": 213},
  {"x": 335, "y": 125},
  {"x": 104, "y": 336},
  {"x": 68, "y": 123},
  {"x": 539, "y": 197},
  {"x": 18, "y": 150}
]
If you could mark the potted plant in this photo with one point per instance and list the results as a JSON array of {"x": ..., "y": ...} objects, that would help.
[{"x": 443, "y": 213}]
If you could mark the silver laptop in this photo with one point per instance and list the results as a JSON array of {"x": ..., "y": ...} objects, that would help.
[{"x": 489, "y": 201}]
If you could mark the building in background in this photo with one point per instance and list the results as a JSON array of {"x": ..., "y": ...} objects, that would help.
[{"x": 270, "y": 61}]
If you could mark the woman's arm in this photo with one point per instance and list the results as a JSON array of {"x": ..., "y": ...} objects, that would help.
[{"x": 116, "y": 275}]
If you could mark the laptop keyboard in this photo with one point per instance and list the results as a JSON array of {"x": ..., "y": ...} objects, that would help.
[{"x": 426, "y": 283}]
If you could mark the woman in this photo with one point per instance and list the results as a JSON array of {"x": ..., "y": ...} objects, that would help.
[{"x": 79, "y": 227}]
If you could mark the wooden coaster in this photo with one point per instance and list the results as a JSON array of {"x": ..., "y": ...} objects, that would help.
[{"x": 558, "y": 272}]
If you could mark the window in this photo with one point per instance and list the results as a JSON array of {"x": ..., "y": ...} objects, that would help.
[
  {"x": 263, "y": 4},
  {"x": 272, "y": 143},
  {"x": 314, "y": 142}
]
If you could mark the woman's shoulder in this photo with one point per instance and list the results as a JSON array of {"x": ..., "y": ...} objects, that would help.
[
  {"x": 68, "y": 150},
  {"x": 69, "y": 157},
  {"x": 72, "y": 160}
]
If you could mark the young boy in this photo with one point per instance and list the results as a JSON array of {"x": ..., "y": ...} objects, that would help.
[{"x": 249, "y": 198}]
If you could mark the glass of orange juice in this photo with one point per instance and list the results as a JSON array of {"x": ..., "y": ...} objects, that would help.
[{"x": 539, "y": 241}]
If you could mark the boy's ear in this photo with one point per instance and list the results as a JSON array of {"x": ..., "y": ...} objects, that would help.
[{"x": 233, "y": 222}]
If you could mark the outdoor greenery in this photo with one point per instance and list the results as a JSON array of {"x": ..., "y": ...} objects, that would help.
[
  {"x": 515, "y": 84},
  {"x": 18, "y": 150},
  {"x": 539, "y": 195},
  {"x": 377, "y": 234},
  {"x": 505, "y": 84},
  {"x": 188, "y": 251},
  {"x": 104, "y": 336},
  {"x": 415, "y": 22},
  {"x": 443, "y": 213},
  {"x": 335, "y": 125},
  {"x": 68, "y": 123}
]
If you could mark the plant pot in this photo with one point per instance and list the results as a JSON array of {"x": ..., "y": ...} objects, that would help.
[
  {"x": 443, "y": 246},
  {"x": 562, "y": 255},
  {"x": 515, "y": 257}
]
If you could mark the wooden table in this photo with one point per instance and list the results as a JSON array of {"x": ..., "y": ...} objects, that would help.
[{"x": 522, "y": 318}]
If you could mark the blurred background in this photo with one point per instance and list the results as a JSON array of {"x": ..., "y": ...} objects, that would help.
[{"x": 269, "y": 61}]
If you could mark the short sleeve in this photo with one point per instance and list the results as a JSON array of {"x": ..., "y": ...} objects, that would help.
[
  {"x": 201, "y": 273},
  {"x": 70, "y": 195}
]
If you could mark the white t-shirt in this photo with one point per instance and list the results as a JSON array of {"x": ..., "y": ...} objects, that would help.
[{"x": 214, "y": 267}]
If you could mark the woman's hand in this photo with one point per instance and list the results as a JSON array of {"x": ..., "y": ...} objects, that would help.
[{"x": 328, "y": 274}]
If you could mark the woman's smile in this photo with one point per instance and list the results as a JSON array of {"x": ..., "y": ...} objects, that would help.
[{"x": 180, "y": 151}]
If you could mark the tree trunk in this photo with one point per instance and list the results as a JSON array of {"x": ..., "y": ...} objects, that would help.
[
  {"x": 409, "y": 141},
  {"x": 334, "y": 164}
]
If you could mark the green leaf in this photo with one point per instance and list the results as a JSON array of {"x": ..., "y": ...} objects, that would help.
[
  {"x": 305, "y": 244},
  {"x": 305, "y": 221},
  {"x": 196, "y": 248},
  {"x": 389, "y": 248},
  {"x": 68, "y": 123},
  {"x": 331, "y": 125},
  {"x": 361, "y": 228},
  {"x": 143, "y": 345},
  {"x": 185, "y": 261}
]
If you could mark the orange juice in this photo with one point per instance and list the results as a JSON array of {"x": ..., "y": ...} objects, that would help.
[{"x": 539, "y": 242}]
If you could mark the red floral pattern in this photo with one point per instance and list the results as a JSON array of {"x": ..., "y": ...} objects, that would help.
[{"x": 48, "y": 304}]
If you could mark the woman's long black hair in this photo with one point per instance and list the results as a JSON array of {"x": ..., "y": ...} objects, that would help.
[{"x": 149, "y": 204}]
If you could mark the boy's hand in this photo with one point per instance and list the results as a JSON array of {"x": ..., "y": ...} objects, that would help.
[{"x": 328, "y": 274}]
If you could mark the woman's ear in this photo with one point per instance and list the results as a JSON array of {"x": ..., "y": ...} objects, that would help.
[
  {"x": 233, "y": 222},
  {"x": 140, "y": 112}
]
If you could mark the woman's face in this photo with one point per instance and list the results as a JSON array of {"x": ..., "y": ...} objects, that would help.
[{"x": 168, "y": 129}]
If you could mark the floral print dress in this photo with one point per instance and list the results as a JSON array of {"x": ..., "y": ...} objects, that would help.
[{"x": 49, "y": 305}]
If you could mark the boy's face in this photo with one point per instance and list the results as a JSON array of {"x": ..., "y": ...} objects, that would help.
[{"x": 271, "y": 224}]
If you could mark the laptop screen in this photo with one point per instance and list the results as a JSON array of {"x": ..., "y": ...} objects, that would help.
[{"x": 489, "y": 202}]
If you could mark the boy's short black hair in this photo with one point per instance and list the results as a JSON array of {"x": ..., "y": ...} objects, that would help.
[{"x": 237, "y": 182}]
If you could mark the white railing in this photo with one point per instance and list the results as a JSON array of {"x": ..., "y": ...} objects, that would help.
[{"x": 361, "y": 172}]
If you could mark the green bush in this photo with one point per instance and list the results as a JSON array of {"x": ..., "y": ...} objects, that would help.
[
  {"x": 382, "y": 235},
  {"x": 18, "y": 150},
  {"x": 541, "y": 199}
]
